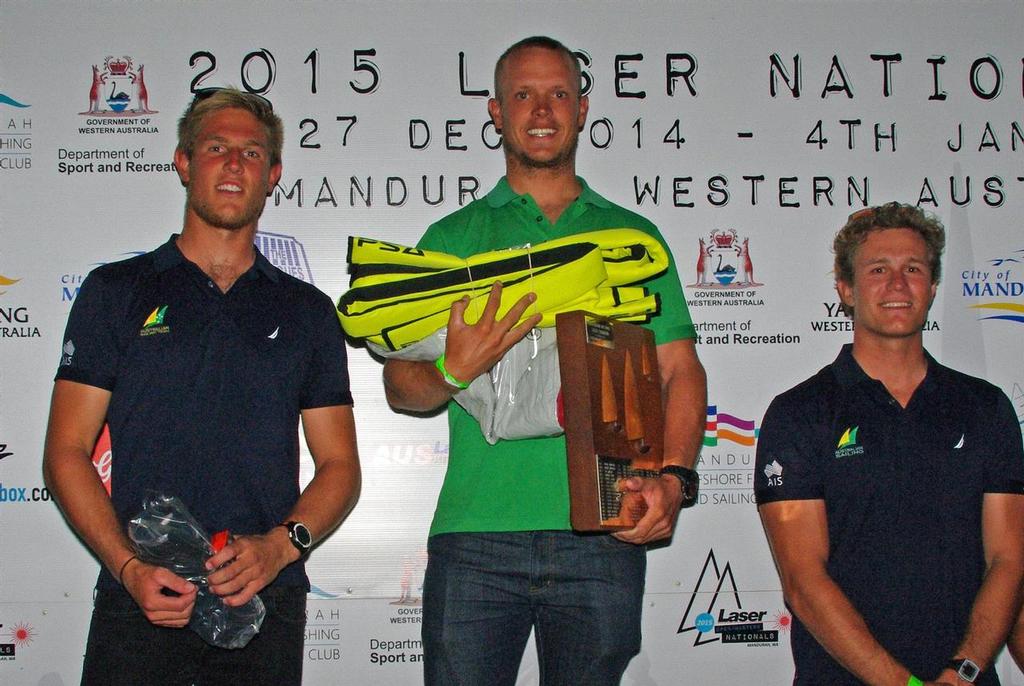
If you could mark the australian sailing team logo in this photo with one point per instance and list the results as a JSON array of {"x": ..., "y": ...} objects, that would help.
[{"x": 118, "y": 89}]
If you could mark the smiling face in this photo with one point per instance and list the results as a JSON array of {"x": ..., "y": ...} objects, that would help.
[
  {"x": 892, "y": 286},
  {"x": 228, "y": 175},
  {"x": 539, "y": 110}
]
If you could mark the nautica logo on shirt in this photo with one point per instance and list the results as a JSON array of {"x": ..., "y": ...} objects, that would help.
[
  {"x": 847, "y": 445},
  {"x": 155, "y": 322}
]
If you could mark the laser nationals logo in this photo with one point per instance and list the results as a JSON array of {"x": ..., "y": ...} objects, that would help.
[{"x": 725, "y": 619}]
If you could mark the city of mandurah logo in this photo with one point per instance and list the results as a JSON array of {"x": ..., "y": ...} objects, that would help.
[
  {"x": 1002, "y": 278},
  {"x": 725, "y": 620},
  {"x": 847, "y": 446},
  {"x": 154, "y": 323},
  {"x": 118, "y": 89}
]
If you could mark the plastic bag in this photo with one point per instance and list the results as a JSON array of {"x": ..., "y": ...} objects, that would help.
[
  {"x": 167, "y": 535},
  {"x": 518, "y": 398}
]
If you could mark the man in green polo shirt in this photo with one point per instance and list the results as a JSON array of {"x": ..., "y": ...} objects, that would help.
[{"x": 502, "y": 558}]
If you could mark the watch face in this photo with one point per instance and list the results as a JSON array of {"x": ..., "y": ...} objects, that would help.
[
  {"x": 300, "y": 534},
  {"x": 968, "y": 671}
]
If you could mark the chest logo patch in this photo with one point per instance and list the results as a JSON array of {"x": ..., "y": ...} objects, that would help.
[
  {"x": 154, "y": 323},
  {"x": 960, "y": 443},
  {"x": 847, "y": 445}
]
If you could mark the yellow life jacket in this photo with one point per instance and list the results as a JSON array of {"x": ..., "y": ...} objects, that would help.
[{"x": 399, "y": 295}]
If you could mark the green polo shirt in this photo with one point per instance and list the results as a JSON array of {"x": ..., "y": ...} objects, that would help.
[{"x": 523, "y": 485}]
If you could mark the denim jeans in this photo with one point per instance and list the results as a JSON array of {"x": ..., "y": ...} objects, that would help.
[
  {"x": 581, "y": 595},
  {"x": 125, "y": 648}
]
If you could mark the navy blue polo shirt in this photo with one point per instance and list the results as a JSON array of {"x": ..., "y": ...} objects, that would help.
[
  {"x": 206, "y": 387},
  {"x": 903, "y": 491}
]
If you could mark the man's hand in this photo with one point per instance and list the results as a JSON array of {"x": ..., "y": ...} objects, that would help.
[
  {"x": 146, "y": 583},
  {"x": 664, "y": 498},
  {"x": 472, "y": 349},
  {"x": 247, "y": 564}
]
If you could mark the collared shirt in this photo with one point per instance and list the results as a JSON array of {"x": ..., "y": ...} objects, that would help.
[
  {"x": 206, "y": 386},
  {"x": 903, "y": 490},
  {"x": 522, "y": 485}
]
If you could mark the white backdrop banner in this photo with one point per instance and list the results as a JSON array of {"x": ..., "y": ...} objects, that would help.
[{"x": 746, "y": 131}]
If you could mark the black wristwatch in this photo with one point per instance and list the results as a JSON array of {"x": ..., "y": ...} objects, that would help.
[
  {"x": 689, "y": 482},
  {"x": 965, "y": 668},
  {"x": 300, "y": 537}
]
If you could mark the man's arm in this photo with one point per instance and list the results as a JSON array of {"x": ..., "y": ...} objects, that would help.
[
  {"x": 998, "y": 602},
  {"x": 324, "y": 503},
  {"x": 1015, "y": 644},
  {"x": 798, "y": 535},
  {"x": 77, "y": 412},
  {"x": 470, "y": 350},
  {"x": 684, "y": 391}
]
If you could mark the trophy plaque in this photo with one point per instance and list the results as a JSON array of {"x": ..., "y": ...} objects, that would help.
[{"x": 613, "y": 417}]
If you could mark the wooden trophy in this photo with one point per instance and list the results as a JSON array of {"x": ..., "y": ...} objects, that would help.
[{"x": 613, "y": 417}]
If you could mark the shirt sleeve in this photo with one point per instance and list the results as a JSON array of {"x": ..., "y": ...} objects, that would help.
[
  {"x": 90, "y": 353},
  {"x": 1004, "y": 471},
  {"x": 326, "y": 381},
  {"x": 785, "y": 468}
]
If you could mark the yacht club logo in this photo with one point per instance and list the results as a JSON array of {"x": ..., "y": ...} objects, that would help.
[{"x": 118, "y": 89}]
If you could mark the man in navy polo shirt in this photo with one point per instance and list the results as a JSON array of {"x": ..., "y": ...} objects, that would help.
[
  {"x": 201, "y": 356},
  {"x": 891, "y": 488}
]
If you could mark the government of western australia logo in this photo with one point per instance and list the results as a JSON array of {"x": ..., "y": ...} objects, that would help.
[
  {"x": 118, "y": 89},
  {"x": 724, "y": 619},
  {"x": 847, "y": 445},
  {"x": 725, "y": 272},
  {"x": 1001, "y": 278},
  {"x": 724, "y": 262}
]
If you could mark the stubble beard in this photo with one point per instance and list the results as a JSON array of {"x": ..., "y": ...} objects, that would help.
[
  {"x": 249, "y": 215},
  {"x": 563, "y": 160}
]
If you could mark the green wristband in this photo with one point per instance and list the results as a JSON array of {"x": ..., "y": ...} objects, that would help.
[
  {"x": 914, "y": 681},
  {"x": 448, "y": 378}
]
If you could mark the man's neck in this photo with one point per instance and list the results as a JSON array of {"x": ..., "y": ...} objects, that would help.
[
  {"x": 552, "y": 189},
  {"x": 900, "y": 364},
  {"x": 222, "y": 254}
]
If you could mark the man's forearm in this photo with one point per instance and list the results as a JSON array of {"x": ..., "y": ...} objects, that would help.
[
  {"x": 72, "y": 480},
  {"x": 684, "y": 385},
  {"x": 994, "y": 612},
  {"x": 415, "y": 386},
  {"x": 328, "y": 498},
  {"x": 837, "y": 625}
]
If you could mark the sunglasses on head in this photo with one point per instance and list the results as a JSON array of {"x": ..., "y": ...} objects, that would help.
[{"x": 201, "y": 94}]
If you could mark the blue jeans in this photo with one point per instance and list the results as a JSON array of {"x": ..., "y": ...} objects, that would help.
[
  {"x": 483, "y": 592},
  {"x": 124, "y": 648}
]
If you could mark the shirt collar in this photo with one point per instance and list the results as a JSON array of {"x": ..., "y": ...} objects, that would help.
[
  {"x": 849, "y": 373},
  {"x": 502, "y": 194},
  {"x": 169, "y": 255}
]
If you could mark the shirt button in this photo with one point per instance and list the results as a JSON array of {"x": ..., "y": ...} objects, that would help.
[
  {"x": 210, "y": 284},
  {"x": 522, "y": 201},
  {"x": 540, "y": 219}
]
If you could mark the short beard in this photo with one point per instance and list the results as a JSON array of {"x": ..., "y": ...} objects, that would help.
[
  {"x": 248, "y": 217},
  {"x": 564, "y": 159}
]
